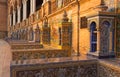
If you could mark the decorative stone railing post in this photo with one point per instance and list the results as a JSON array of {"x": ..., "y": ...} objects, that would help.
[
  {"x": 65, "y": 33},
  {"x": 46, "y": 33},
  {"x": 37, "y": 34},
  {"x": 98, "y": 40},
  {"x": 111, "y": 41}
]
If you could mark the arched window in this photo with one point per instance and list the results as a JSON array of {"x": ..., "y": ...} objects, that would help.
[
  {"x": 38, "y": 4},
  {"x": 93, "y": 37},
  {"x": 60, "y": 36},
  {"x": 11, "y": 19},
  {"x": 28, "y": 8},
  {"x": 21, "y": 13},
  {"x": 16, "y": 16}
]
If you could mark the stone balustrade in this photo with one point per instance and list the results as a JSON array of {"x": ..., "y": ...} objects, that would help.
[
  {"x": 28, "y": 54},
  {"x": 26, "y": 46},
  {"x": 109, "y": 68},
  {"x": 58, "y": 67},
  {"x": 66, "y": 67}
]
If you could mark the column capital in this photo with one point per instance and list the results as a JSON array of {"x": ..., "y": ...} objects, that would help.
[
  {"x": 98, "y": 29},
  {"x": 18, "y": 7}
]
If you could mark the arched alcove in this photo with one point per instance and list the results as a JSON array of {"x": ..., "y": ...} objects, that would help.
[
  {"x": 11, "y": 12},
  {"x": 37, "y": 34},
  {"x": 21, "y": 12},
  {"x": 38, "y": 4},
  {"x": 28, "y": 8},
  {"x": 93, "y": 37},
  {"x": 105, "y": 36},
  {"x": 16, "y": 14}
]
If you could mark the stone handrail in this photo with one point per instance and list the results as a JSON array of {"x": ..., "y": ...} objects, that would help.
[
  {"x": 58, "y": 67},
  {"x": 109, "y": 68},
  {"x": 27, "y": 54},
  {"x": 66, "y": 67}
]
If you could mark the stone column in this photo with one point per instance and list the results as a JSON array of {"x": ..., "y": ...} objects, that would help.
[
  {"x": 34, "y": 5},
  {"x": 10, "y": 20},
  {"x": 90, "y": 39},
  {"x": 31, "y": 6},
  {"x": 37, "y": 34},
  {"x": 33, "y": 35},
  {"x": 98, "y": 40},
  {"x": 13, "y": 17},
  {"x": 44, "y": 1},
  {"x": 110, "y": 41},
  {"x": 24, "y": 10},
  {"x": 18, "y": 14},
  {"x": 41, "y": 39}
]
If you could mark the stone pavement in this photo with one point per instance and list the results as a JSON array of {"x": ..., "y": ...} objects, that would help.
[{"x": 5, "y": 59}]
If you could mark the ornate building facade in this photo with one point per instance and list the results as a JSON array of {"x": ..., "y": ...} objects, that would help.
[
  {"x": 88, "y": 26},
  {"x": 3, "y": 19}
]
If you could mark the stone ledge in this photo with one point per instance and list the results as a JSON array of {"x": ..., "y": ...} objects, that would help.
[{"x": 66, "y": 67}]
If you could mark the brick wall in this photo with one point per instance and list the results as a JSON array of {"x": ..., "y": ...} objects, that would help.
[{"x": 3, "y": 18}]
